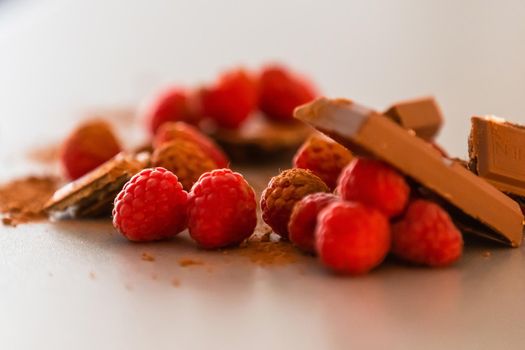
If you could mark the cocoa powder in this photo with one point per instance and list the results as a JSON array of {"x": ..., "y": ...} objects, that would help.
[{"x": 22, "y": 200}]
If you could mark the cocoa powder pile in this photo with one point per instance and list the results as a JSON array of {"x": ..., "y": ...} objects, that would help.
[{"x": 22, "y": 200}]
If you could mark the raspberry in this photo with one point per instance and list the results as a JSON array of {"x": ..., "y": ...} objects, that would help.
[
  {"x": 179, "y": 130},
  {"x": 88, "y": 146},
  {"x": 222, "y": 209},
  {"x": 231, "y": 99},
  {"x": 352, "y": 238},
  {"x": 283, "y": 191},
  {"x": 375, "y": 184},
  {"x": 325, "y": 158},
  {"x": 426, "y": 235},
  {"x": 172, "y": 105},
  {"x": 303, "y": 220},
  {"x": 280, "y": 92},
  {"x": 151, "y": 206},
  {"x": 183, "y": 158}
]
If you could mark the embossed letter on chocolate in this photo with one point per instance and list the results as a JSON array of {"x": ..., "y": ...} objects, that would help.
[
  {"x": 365, "y": 131},
  {"x": 421, "y": 115},
  {"x": 497, "y": 153}
]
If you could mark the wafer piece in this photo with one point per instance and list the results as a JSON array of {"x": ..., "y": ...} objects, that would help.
[
  {"x": 93, "y": 194},
  {"x": 260, "y": 139},
  {"x": 421, "y": 115},
  {"x": 368, "y": 132}
]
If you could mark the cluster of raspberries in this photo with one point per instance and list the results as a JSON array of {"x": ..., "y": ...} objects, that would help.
[
  {"x": 371, "y": 212},
  {"x": 176, "y": 114},
  {"x": 232, "y": 98}
]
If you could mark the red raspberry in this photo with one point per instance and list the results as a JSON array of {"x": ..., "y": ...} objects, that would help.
[
  {"x": 426, "y": 235},
  {"x": 352, "y": 238},
  {"x": 179, "y": 130},
  {"x": 283, "y": 191},
  {"x": 304, "y": 219},
  {"x": 151, "y": 206},
  {"x": 375, "y": 184},
  {"x": 222, "y": 209},
  {"x": 325, "y": 158},
  {"x": 231, "y": 99},
  {"x": 170, "y": 106},
  {"x": 280, "y": 92},
  {"x": 88, "y": 146}
]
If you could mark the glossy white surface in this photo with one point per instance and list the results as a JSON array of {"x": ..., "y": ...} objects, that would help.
[{"x": 79, "y": 285}]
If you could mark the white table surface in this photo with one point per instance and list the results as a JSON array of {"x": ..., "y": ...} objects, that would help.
[{"x": 75, "y": 285}]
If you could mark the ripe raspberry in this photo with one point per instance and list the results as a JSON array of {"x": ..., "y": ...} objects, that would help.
[
  {"x": 283, "y": 191},
  {"x": 172, "y": 105},
  {"x": 352, "y": 238},
  {"x": 222, "y": 209},
  {"x": 151, "y": 206},
  {"x": 231, "y": 99},
  {"x": 88, "y": 146},
  {"x": 280, "y": 92},
  {"x": 179, "y": 130},
  {"x": 185, "y": 159},
  {"x": 426, "y": 235},
  {"x": 375, "y": 184},
  {"x": 325, "y": 158},
  {"x": 303, "y": 220}
]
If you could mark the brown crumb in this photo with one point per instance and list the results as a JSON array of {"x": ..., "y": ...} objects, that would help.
[
  {"x": 265, "y": 237},
  {"x": 184, "y": 262},
  {"x": 486, "y": 254},
  {"x": 147, "y": 257},
  {"x": 22, "y": 200},
  {"x": 268, "y": 253},
  {"x": 92, "y": 275},
  {"x": 175, "y": 282},
  {"x": 8, "y": 221}
]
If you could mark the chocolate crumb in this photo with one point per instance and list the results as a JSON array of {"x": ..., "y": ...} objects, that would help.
[
  {"x": 8, "y": 221},
  {"x": 175, "y": 282},
  {"x": 185, "y": 262},
  {"x": 147, "y": 257},
  {"x": 268, "y": 253},
  {"x": 22, "y": 200}
]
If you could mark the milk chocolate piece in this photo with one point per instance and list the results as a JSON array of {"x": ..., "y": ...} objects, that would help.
[
  {"x": 497, "y": 153},
  {"x": 421, "y": 115},
  {"x": 367, "y": 132},
  {"x": 93, "y": 194}
]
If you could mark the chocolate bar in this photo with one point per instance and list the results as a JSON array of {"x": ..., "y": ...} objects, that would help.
[
  {"x": 93, "y": 194},
  {"x": 367, "y": 132},
  {"x": 497, "y": 153},
  {"x": 421, "y": 115}
]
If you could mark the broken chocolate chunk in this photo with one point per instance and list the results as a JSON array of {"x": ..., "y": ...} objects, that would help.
[{"x": 421, "y": 115}]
